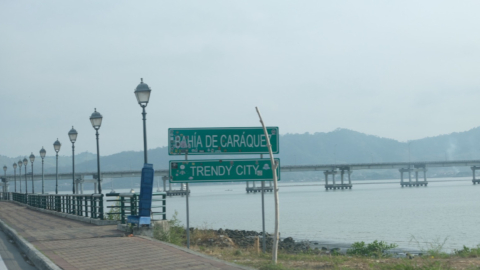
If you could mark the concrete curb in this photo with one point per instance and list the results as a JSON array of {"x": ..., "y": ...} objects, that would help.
[
  {"x": 97, "y": 222},
  {"x": 197, "y": 253},
  {"x": 36, "y": 257}
]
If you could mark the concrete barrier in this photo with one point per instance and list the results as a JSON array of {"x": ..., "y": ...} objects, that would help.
[{"x": 36, "y": 257}]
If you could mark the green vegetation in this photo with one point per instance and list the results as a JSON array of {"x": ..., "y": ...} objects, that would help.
[
  {"x": 113, "y": 212},
  {"x": 468, "y": 252},
  {"x": 175, "y": 234},
  {"x": 375, "y": 249},
  {"x": 432, "y": 248},
  {"x": 360, "y": 256}
]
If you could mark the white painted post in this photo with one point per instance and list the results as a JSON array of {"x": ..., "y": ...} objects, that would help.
[
  {"x": 349, "y": 180},
  {"x": 274, "y": 166},
  {"x": 341, "y": 173}
]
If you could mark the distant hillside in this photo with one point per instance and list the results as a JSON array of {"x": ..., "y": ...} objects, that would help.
[{"x": 338, "y": 146}]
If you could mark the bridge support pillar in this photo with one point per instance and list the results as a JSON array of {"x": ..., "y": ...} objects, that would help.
[
  {"x": 475, "y": 181},
  {"x": 416, "y": 177},
  {"x": 401, "y": 177},
  {"x": 169, "y": 186},
  {"x": 409, "y": 176},
  {"x": 270, "y": 183},
  {"x": 253, "y": 184},
  {"x": 164, "y": 178},
  {"x": 341, "y": 177},
  {"x": 342, "y": 184}
]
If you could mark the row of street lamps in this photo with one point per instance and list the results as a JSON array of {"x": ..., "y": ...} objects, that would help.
[{"x": 142, "y": 93}]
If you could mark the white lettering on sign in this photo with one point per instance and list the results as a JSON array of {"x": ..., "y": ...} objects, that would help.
[
  {"x": 223, "y": 170},
  {"x": 224, "y": 141},
  {"x": 210, "y": 170},
  {"x": 246, "y": 170}
]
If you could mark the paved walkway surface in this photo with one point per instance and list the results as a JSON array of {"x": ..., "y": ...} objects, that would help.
[{"x": 75, "y": 245}]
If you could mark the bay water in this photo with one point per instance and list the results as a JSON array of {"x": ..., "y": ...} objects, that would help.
[{"x": 415, "y": 218}]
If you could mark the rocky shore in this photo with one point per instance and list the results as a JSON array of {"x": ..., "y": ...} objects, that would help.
[{"x": 225, "y": 238}]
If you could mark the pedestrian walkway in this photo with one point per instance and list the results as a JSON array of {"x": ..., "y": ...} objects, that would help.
[{"x": 76, "y": 245}]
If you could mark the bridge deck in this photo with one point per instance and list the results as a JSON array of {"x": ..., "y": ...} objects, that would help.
[
  {"x": 287, "y": 168},
  {"x": 75, "y": 245}
]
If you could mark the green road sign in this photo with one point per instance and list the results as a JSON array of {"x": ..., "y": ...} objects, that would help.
[
  {"x": 221, "y": 141},
  {"x": 226, "y": 170}
]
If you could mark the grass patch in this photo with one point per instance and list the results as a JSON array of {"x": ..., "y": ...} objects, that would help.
[
  {"x": 468, "y": 252},
  {"x": 175, "y": 234},
  {"x": 375, "y": 249}
]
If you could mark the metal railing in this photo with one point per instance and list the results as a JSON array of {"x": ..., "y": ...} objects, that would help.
[
  {"x": 75, "y": 204},
  {"x": 5, "y": 196},
  {"x": 125, "y": 204}
]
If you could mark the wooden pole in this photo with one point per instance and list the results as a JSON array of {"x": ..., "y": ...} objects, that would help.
[{"x": 275, "y": 189}]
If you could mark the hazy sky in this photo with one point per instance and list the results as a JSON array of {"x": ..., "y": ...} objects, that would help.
[{"x": 396, "y": 69}]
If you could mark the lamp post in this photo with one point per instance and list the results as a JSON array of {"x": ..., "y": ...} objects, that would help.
[
  {"x": 5, "y": 176},
  {"x": 56, "y": 146},
  {"x": 42, "y": 155},
  {"x": 96, "y": 120},
  {"x": 25, "y": 163},
  {"x": 15, "y": 175},
  {"x": 73, "y": 137},
  {"x": 142, "y": 92},
  {"x": 32, "y": 159},
  {"x": 20, "y": 174}
]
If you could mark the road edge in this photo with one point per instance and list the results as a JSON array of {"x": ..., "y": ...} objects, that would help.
[{"x": 40, "y": 261}]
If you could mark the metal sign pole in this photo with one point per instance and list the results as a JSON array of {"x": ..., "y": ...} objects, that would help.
[
  {"x": 263, "y": 213},
  {"x": 188, "y": 214}
]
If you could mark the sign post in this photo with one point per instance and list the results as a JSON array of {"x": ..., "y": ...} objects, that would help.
[{"x": 224, "y": 141}]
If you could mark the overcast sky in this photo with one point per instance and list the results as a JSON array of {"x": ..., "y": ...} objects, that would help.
[{"x": 398, "y": 69}]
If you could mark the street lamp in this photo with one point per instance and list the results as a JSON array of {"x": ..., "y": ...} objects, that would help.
[
  {"x": 32, "y": 159},
  {"x": 5, "y": 174},
  {"x": 142, "y": 92},
  {"x": 25, "y": 163},
  {"x": 56, "y": 146},
  {"x": 15, "y": 175},
  {"x": 42, "y": 155},
  {"x": 20, "y": 174},
  {"x": 73, "y": 137},
  {"x": 96, "y": 120}
]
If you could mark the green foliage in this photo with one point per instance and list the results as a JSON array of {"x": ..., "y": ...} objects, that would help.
[
  {"x": 431, "y": 248},
  {"x": 271, "y": 266},
  {"x": 468, "y": 252},
  {"x": 375, "y": 249},
  {"x": 175, "y": 234},
  {"x": 116, "y": 209},
  {"x": 413, "y": 265}
]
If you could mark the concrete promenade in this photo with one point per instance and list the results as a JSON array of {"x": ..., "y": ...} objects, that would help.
[{"x": 72, "y": 244}]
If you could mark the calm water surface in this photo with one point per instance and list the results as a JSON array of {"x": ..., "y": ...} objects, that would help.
[{"x": 372, "y": 210}]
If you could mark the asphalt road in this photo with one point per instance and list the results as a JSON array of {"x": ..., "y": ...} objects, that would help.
[{"x": 10, "y": 257}]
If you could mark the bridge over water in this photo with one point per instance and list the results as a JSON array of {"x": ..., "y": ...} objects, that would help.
[{"x": 329, "y": 171}]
